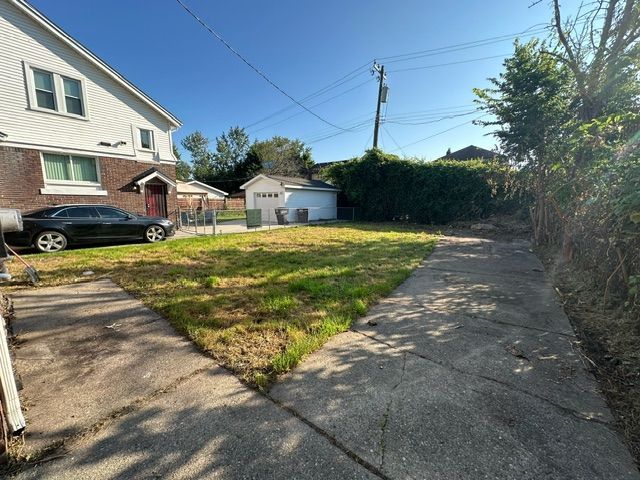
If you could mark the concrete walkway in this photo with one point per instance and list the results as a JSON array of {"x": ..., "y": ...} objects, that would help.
[
  {"x": 130, "y": 398},
  {"x": 466, "y": 371}
]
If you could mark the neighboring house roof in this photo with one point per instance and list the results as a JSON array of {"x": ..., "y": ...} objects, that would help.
[
  {"x": 92, "y": 57},
  {"x": 293, "y": 182},
  {"x": 469, "y": 153},
  {"x": 206, "y": 187},
  {"x": 319, "y": 166}
]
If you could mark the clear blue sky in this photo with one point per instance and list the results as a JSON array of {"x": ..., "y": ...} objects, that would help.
[{"x": 304, "y": 46}]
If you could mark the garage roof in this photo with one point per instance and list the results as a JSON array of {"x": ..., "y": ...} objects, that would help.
[{"x": 294, "y": 182}]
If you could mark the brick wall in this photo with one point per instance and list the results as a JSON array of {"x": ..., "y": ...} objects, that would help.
[{"x": 21, "y": 179}]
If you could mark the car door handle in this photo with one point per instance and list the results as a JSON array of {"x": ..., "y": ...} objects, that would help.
[
  {"x": 106, "y": 223},
  {"x": 67, "y": 223}
]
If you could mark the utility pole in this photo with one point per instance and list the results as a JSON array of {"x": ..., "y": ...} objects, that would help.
[{"x": 382, "y": 98}]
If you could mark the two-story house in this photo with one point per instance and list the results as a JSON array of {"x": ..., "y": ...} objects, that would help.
[{"x": 74, "y": 130}]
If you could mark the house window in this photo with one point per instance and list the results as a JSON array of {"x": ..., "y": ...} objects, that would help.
[
  {"x": 45, "y": 94},
  {"x": 146, "y": 139},
  {"x": 70, "y": 168},
  {"x": 55, "y": 93},
  {"x": 73, "y": 96}
]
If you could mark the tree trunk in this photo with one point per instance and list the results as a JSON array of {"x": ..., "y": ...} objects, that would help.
[{"x": 567, "y": 242}]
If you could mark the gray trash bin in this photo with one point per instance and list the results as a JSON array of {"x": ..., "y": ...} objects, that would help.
[
  {"x": 281, "y": 216},
  {"x": 302, "y": 215}
]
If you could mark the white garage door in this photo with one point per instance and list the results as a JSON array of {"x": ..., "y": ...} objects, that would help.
[{"x": 268, "y": 202}]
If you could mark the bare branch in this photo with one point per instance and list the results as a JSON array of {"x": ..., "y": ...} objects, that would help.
[{"x": 572, "y": 62}]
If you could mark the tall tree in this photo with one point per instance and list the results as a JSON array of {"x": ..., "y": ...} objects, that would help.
[
  {"x": 600, "y": 45},
  {"x": 283, "y": 156},
  {"x": 201, "y": 158},
  {"x": 231, "y": 150},
  {"x": 228, "y": 166},
  {"x": 183, "y": 169},
  {"x": 531, "y": 105}
]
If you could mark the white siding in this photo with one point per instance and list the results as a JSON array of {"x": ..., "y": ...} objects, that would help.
[
  {"x": 262, "y": 185},
  {"x": 321, "y": 203},
  {"x": 113, "y": 111}
]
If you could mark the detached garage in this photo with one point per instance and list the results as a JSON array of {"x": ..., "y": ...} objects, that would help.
[{"x": 268, "y": 192}]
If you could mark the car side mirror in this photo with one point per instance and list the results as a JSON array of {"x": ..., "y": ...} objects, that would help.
[{"x": 130, "y": 217}]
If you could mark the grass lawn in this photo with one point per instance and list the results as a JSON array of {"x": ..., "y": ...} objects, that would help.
[{"x": 258, "y": 302}]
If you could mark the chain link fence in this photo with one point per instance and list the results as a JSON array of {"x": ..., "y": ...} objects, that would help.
[{"x": 213, "y": 222}]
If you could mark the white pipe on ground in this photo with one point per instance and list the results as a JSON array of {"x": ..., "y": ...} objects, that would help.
[{"x": 8, "y": 388}]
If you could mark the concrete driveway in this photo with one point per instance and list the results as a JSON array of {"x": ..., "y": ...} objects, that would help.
[{"x": 467, "y": 371}]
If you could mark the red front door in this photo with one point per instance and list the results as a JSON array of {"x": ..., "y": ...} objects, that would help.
[{"x": 156, "y": 198}]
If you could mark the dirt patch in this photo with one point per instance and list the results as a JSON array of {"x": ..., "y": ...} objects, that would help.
[
  {"x": 609, "y": 338},
  {"x": 506, "y": 228}
]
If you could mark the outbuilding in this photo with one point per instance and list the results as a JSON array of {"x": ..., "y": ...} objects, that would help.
[
  {"x": 300, "y": 196},
  {"x": 194, "y": 194}
]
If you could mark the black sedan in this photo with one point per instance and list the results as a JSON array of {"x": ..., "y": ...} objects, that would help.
[{"x": 52, "y": 229}]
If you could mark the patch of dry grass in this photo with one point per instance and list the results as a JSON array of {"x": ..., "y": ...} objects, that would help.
[{"x": 258, "y": 302}]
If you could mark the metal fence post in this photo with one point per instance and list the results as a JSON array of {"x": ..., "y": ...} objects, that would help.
[{"x": 215, "y": 221}]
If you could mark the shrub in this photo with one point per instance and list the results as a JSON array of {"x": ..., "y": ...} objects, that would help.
[{"x": 387, "y": 188}]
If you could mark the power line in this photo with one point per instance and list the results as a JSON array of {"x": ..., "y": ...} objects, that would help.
[
  {"x": 366, "y": 144},
  {"x": 430, "y": 111},
  {"x": 439, "y": 133},
  {"x": 436, "y": 120},
  {"x": 369, "y": 80},
  {"x": 355, "y": 128},
  {"x": 250, "y": 65},
  {"x": 423, "y": 67},
  {"x": 325, "y": 131},
  {"x": 393, "y": 139},
  {"x": 463, "y": 46},
  {"x": 335, "y": 84}
]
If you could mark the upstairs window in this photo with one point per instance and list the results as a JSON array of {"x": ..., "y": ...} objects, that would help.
[
  {"x": 45, "y": 94},
  {"x": 146, "y": 139},
  {"x": 73, "y": 96},
  {"x": 55, "y": 93},
  {"x": 70, "y": 168}
]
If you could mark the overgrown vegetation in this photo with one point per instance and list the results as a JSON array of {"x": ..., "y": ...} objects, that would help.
[
  {"x": 567, "y": 115},
  {"x": 258, "y": 302},
  {"x": 387, "y": 188}
]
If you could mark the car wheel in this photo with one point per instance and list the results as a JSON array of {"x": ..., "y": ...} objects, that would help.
[
  {"x": 154, "y": 233},
  {"x": 50, "y": 242}
]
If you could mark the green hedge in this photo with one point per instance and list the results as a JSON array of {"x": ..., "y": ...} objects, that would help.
[{"x": 387, "y": 188}]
